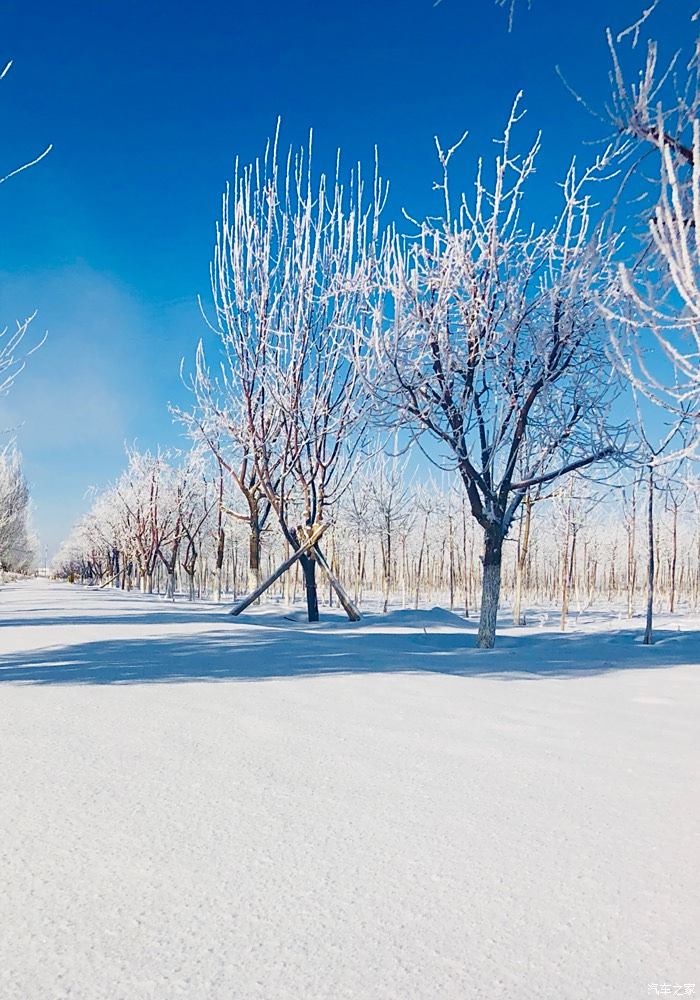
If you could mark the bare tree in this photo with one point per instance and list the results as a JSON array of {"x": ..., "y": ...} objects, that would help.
[
  {"x": 653, "y": 105},
  {"x": 571, "y": 554},
  {"x": 293, "y": 258},
  {"x": 390, "y": 501},
  {"x": 660, "y": 460},
  {"x": 667, "y": 300},
  {"x": 188, "y": 494},
  {"x": 572, "y": 506},
  {"x": 524, "y": 528},
  {"x": 12, "y": 356},
  {"x": 630, "y": 519},
  {"x": 152, "y": 517},
  {"x": 489, "y": 342},
  {"x": 220, "y": 419},
  {"x": 654, "y": 111}
]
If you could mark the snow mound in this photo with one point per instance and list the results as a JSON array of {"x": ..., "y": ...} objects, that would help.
[{"x": 421, "y": 619}]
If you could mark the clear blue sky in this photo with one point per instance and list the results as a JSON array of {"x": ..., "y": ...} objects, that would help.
[{"x": 147, "y": 105}]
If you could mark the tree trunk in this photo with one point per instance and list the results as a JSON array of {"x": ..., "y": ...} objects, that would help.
[
  {"x": 419, "y": 567},
  {"x": 674, "y": 560},
  {"x": 521, "y": 560},
  {"x": 631, "y": 559},
  {"x": 568, "y": 580},
  {"x": 218, "y": 568},
  {"x": 350, "y": 609},
  {"x": 254, "y": 556},
  {"x": 292, "y": 560},
  {"x": 491, "y": 586},
  {"x": 287, "y": 595},
  {"x": 451, "y": 563},
  {"x": 386, "y": 565},
  {"x": 308, "y": 565},
  {"x": 564, "y": 563},
  {"x": 466, "y": 568},
  {"x": 648, "y": 634}
]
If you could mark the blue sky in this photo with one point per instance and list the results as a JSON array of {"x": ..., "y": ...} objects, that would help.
[{"x": 148, "y": 104}]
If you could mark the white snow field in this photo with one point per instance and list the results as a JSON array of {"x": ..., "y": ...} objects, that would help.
[{"x": 193, "y": 806}]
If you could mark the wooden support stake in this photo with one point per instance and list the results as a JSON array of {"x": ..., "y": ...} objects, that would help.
[
  {"x": 349, "y": 607},
  {"x": 287, "y": 564}
]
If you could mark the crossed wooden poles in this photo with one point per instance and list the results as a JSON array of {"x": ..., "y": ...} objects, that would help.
[{"x": 309, "y": 547}]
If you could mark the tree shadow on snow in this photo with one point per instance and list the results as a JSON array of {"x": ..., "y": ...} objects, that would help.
[{"x": 266, "y": 646}]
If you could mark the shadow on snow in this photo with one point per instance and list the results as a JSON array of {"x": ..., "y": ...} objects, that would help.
[{"x": 266, "y": 646}]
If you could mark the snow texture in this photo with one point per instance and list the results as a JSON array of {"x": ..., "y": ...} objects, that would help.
[{"x": 193, "y": 806}]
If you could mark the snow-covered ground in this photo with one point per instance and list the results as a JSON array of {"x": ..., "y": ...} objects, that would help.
[{"x": 198, "y": 807}]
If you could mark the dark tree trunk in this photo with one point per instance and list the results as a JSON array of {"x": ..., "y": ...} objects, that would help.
[
  {"x": 387, "y": 557},
  {"x": 491, "y": 586},
  {"x": 253, "y": 549},
  {"x": 309, "y": 567},
  {"x": 220, "y": 549}
]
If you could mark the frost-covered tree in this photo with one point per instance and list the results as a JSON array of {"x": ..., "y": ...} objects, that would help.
[
  {"x": 220, "y": 421},
  {"x": 152, "y": 520},
  {"x": 390, "y": 507},
  {"x": 16, "y": 543},
  {"x": 294, "y": 254},
  {"x": 186, "y": 494},
  {"x": 99, "y": 548},
  {"x": 655, "y": 112},
  {"x": 489, "y": 341},
  {"x": 654, "y": 321},
  {"x": 17, "y": 549},
  {"x": 379, "y": 508},
  {"x": 197, "y": 498},
  {"x": 13, "y": 355},
  {"x": 150, "y": 517},
  {"x": 665, "y": 297},
  {"x": 653, "y": 102}
]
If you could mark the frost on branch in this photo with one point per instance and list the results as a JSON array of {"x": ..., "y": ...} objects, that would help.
[
  {"x": 663, "y": 296},
  {"x": 488, "y": 340},
  {"x": 12, "y": 358},
  {"x": 282, "y": 405}
]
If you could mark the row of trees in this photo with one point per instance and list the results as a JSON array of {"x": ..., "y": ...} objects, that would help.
[
  {"x": 498, "y": 346},
  {"x": 154, "y": 523},
  {"x": 168, "y": 526},
  {"x": 17, "y": 542}
]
